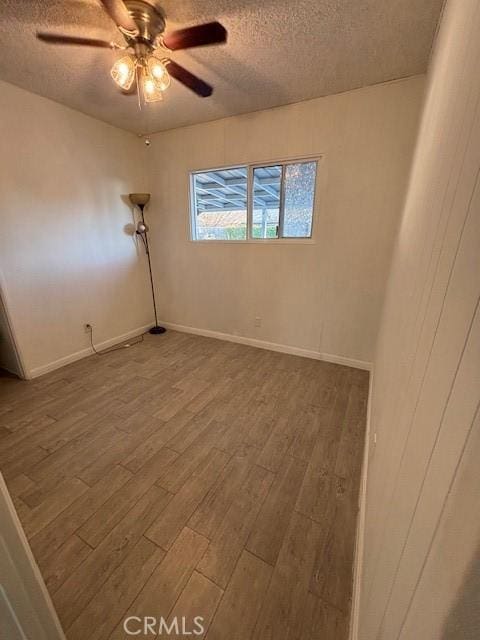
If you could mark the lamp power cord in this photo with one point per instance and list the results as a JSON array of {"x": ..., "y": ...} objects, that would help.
[{"x": 104, "y": 352}]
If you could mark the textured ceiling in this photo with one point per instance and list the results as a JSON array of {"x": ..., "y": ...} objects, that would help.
[{"x": 278, "y": 52}]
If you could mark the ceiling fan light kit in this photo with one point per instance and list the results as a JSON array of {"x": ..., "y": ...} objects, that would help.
[{"x": 146, "y": 55}]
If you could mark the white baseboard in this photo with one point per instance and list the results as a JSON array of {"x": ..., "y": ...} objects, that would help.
[
  {"x": 360, "y": 533},
  {"x": 253, "y": 342},
  {"x": 83, "y": 353},
  {"x": 271, "y": 346}
]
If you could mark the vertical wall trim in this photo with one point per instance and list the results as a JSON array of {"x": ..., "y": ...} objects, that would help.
[
  {"x": 6, "y": 306},
  {"x": 360, "y": 533}
]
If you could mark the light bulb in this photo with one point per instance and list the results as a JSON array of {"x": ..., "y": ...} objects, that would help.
[
  {"x": 157, "y": 70},
  {"x": 142, "y": 227},
  {"x": 151, "y": 93},
  {"x": 149, "y": 86},
  {"x": 123, "y": 72},
  {"x": 158, "y": 73}
]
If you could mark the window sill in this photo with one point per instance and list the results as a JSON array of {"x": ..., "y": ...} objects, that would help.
[{"x": 280, "y": 241}]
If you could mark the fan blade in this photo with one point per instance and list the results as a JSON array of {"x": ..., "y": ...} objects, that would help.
[
  {"x": 120, "y": 15},
  {"x": 58, "y": 38},
  {"x": 202, "y": 34},
  {"x": 196, "y": 85}
]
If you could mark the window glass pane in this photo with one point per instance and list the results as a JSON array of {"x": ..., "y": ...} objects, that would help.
[
  {"x": 220, "y": 204},
  {"x": 299, "y": 193},
  {"x": 266, "y": 201}
]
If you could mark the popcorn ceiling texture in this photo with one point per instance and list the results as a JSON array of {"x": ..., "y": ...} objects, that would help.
[{"x": 278, "y": 52}]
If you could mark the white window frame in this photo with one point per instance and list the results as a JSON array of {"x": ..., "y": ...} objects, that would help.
[{"x": 250, "y": 168}]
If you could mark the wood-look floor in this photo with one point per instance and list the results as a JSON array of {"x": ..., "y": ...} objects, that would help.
[{"x": 187, "y": 476}]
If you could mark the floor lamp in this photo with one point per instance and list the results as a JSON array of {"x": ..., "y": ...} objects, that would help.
[{"x": 140, "y": 200}]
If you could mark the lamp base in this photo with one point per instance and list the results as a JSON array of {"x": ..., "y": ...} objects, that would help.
[{"x": 155, "y": 330}]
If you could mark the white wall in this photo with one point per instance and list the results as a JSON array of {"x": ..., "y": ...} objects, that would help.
[
  {"x": 64, "y": 254},
  {"x": 323, "y": 297},
  {"x": 421, "y": 554}
]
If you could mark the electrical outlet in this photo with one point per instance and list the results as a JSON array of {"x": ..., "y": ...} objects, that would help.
[
  {"x": 87, "y": 327},
  {"x": 258, "y": 322}
]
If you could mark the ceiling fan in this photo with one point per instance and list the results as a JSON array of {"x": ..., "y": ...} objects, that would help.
[{"x": 147, "y": 48}]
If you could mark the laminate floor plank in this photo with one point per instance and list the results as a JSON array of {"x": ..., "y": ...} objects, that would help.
[
  {"x": 116, "y": 452},
  {"x": 200, "y": 595},
  {"x": 195, "y": 455},
  {"x": 57, "y": 501},
  {"x": 190, "y": 431},
  {"x": 332, "y": 573},
  {"x": 57, "y": 567},
  {"x": 57, "y": 435},
  {"x": 229, "y": 540},
  {"x": 72, "y": 464},
  {"x": 49, "y": 540},
  {"x": 119, "y": 504},
  {"x": 238, "y": 612},
  {"x": 20, "y": 484},
  {"x": 305, "y": 435},
  {"x": 278, "y": 443},
  {"x": 27, "y": 457},
  {"x": 151, "y": 445},
  {"x": 101, "y": 615},
  {"x": 85, "y": 582},
  {"x": 167, "y": 582},
  {"x": 269, "y": 528},
  {"x": 284, "y": 603},
  {"x": 321, "y": 621},
  {"x": 78, "y": 451},
  {"x": 180, "y": 400},
  {"x": 27, "y": 411},
  {"x": 211, "y": 511},
  {"x": 176, "y": 515},
  {"x": 30, "y": 436},
  {"x": 350, "y": 447}
]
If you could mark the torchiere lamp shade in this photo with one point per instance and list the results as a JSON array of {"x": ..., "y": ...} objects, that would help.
[{"x": 139, "y": 199}]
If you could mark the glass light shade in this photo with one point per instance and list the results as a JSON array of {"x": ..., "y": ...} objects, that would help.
[
  {"x": 158, "y": 72},
  {"x": 123, "y": 72},
  {"x": 150, "y": 91},
  {"x": 139, "y": 199}
]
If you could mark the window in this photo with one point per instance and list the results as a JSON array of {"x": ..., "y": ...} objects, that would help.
[
  {"x": 267, "y": 187},
  {"x": 256, "y": 202},
  {"x": 220, "y": 204}
]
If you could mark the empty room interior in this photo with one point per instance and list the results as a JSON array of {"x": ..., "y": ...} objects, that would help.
[{"x": 239, "y": 320}]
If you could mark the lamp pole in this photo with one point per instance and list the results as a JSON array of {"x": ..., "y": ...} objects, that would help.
[{"x": 140, "y": 200}]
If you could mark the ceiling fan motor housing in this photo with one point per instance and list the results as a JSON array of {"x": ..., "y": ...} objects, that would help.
[{"x": 150, "y": 20}]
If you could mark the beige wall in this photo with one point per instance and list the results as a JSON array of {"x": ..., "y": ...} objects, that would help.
[
  {"x": 324, "y": 297},
  {"x": 421, "y": 554},
  {"x": 64, "y": 255},
  {"x": 69, "y": 260}
]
